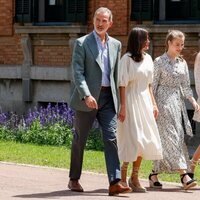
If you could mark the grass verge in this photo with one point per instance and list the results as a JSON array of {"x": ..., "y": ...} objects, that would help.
[{"x": 60, "y": 157}]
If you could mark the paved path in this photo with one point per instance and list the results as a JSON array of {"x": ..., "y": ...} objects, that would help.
[{"x": 24, "y": 182}]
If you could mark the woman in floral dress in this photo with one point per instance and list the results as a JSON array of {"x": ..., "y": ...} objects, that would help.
[{"x": 171, "y": 85}]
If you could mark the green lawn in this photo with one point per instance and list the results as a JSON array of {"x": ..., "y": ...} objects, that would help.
[
  {"x": 48, "y": 156},
  {"x": 60, "y": 157}
]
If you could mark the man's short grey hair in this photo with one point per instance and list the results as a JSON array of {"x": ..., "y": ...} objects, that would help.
[{"x": 104, "y": 10}]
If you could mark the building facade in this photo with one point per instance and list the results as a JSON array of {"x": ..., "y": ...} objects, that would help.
[{"x": 36, "y": 41}]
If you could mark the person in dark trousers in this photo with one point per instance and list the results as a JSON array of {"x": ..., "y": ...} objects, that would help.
[{"x": 95, "y": 72}]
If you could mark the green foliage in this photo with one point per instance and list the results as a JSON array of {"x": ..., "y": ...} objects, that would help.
[
  {"x": 9, "y": 134},
  {"x": 95, "y": 140},
  {"x": 51, "y": 125},
  {"x": 50, "y": 135},
  {"x": 56, "y": 134}
]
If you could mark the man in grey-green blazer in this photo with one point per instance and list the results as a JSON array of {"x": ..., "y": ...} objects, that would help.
[
  {"x": 87, "y": 71},
  {"x": 95, "y": 74}
]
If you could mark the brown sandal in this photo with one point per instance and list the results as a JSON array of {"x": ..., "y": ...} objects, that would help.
[{"x": 135, "y": 187}]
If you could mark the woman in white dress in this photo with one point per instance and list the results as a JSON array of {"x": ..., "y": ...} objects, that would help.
[
  {"x": 137, "y": 135},
  {"x": 171, "y": 85},
  {"x": 195, "y": 159}
]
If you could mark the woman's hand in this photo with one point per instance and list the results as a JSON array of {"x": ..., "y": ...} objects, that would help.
[
  {"x": 122, "y": 114},
  {"x": 196, "y": 106},
  {"x": 155, "y": 111}
]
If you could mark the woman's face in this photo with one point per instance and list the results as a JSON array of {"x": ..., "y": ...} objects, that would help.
[
  {"x": 176, "y": 46},
  {"x": 146, "y": 44}
]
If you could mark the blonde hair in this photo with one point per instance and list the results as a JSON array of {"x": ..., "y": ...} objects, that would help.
[{"x": 173, "y": 34}]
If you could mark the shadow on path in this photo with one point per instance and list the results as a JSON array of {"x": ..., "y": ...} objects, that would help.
[
  {"x": 173, "y": 189},
  {"x": 62, "y": 193}
]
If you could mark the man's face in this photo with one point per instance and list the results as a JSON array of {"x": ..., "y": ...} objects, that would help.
[{"x": 101, "y": 23}]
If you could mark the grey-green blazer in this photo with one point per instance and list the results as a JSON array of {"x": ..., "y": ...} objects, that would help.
[{"x": 87, "y": 73}]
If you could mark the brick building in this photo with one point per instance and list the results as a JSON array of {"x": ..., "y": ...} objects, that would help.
[{"x": 36, "y": 39}]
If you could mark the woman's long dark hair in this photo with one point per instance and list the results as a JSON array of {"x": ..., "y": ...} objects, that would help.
[{"x": 136, "y": 42}]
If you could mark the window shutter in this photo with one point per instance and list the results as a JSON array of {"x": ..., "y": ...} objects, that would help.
[
  {"x": 76, "y": 11},
  {"x": 195, "y": 9},
  {"x": 23, "y": 11},
  {"x": 141, "y": 10}
]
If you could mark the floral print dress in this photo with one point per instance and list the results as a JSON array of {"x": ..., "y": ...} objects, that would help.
[{"x": 171, "y": 85}]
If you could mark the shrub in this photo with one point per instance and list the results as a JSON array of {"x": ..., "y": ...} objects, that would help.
[{"x": 52, "y": 125}]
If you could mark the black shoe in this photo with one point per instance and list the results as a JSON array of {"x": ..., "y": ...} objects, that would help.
[
  {"x": 191, "y": 175},
  {"x": 156, "y": 184},
  {"x": 189, "y": 184}
]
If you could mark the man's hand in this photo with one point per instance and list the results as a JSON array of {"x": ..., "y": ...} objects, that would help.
[{"x": 90, "y": 101}]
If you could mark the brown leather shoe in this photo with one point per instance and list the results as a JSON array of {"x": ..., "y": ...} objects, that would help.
[
  {"x": 75, "y": 186},
  {"x": 118, "y": 188}
]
